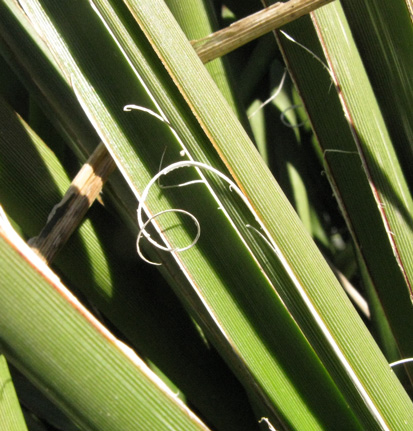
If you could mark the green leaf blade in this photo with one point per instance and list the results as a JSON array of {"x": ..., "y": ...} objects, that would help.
[
  {"x": 112, "y": 371},
  {"x": 11, "y": 416}
]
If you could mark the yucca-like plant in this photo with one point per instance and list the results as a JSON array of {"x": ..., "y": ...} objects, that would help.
[{"x": 244, "y": 201}]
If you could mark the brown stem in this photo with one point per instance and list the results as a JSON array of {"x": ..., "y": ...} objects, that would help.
[
  {"x": 67, "y": 215},
  {"x": 253, "y": 26}
]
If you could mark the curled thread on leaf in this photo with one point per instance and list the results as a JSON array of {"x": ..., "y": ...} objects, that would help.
[
  {"x": 173, "y": 186},
  {"x": 332, "y": 150},
  {"x": 174, "y": 166},
  {"x": 285, "y": 122},
  {"x": 143, "y": 232},
  {"x": 316, "y": 57},
  {"x": 131, "y": 107},
  {"x": 267, "y": 421},
  {"x": 160, "y": 168},
  {"x": 274, "y": 96},
  {"x": 263, "y": 237},
  {"x": 142, "y": 225},
  {"x": 402, "y": 361},
  {"x": 128, "y": 108}
]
